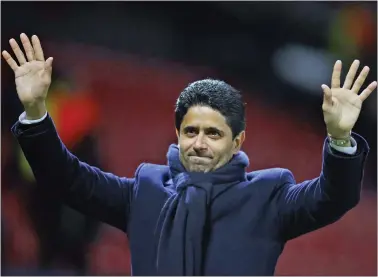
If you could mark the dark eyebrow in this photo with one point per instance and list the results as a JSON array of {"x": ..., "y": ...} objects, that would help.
[
  {"x": 207, "y": 130},
  {"x": 189, "y": 128},
  {"x": 214, "y": 129}
]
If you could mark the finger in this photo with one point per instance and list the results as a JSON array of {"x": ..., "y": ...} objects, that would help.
[
  {"x": 48, "y": 64},
  {"x": 28, "y": 47},
  {"x": 360, "y": 80},
  {"x": 327, "y": 95},
  {"x": 8, "y": 58},
  {"x": 336, "y": 74},
  {"x": 351, "y": 74},
  {"x": 37, "y": 48},
  {"x": 366, "y": 92},
  {"x": 17, "y": 51}
]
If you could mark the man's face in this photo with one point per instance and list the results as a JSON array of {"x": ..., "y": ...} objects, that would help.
[{"x": 205, "y": 140}]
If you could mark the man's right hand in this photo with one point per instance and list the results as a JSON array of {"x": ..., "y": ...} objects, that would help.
[{"x": 33, "y": 76}]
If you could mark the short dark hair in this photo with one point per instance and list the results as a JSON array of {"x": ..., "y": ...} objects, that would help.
[{"x": 217, "y": 95}]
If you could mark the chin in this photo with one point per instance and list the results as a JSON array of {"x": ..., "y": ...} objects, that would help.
[{"x": 199, "y": 168}]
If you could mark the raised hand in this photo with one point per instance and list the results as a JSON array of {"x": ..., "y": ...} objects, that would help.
[
  {"x": 32, "y": 76},
  {"x": 342, "y": 105}
]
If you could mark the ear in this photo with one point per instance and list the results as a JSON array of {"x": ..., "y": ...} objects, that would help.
[
  {"x": 177, "y": 133},
  {"x": 238, "y": 141}
]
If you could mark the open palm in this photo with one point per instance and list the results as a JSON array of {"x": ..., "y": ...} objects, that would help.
[
  {"x": 32, "y": 76},
  {"x": 342, "y": 105}
]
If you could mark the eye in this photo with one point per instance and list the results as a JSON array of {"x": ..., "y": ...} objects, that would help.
[
  {"x": 213, "y": 134},
  {"x": 190, "y": 132}
]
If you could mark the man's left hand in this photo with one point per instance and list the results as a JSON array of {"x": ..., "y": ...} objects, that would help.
[{"x": 342, "y": 105}]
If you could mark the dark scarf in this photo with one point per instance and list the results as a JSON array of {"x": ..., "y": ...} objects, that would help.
[{"x": 183, "y": 221}]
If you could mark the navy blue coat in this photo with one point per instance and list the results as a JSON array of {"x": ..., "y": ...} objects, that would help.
[{"x": 255, "y": 217}]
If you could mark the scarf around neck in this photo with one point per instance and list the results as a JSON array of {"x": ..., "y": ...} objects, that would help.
[{"x": 183, "y": 221}]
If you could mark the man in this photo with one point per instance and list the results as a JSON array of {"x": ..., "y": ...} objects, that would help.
[{"x": 201, "y": 214}]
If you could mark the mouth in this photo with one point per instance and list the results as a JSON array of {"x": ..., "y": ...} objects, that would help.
[{"x": 199, "y": 160}]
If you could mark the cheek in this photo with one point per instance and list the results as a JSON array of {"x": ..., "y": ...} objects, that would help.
[
  {"x": 184, "y": 144},
  {"x": 222, "y": 150}
]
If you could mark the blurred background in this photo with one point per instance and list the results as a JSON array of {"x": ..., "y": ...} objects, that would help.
[{"x": 118, "y": 69}]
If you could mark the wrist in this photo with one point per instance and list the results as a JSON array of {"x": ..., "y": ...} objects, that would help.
[
  {"x": 341, "y": 140},
  {"x": 338, "y": 134},
  {"x": 35, "y": 111}
]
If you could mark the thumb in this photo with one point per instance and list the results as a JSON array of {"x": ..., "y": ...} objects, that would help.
[
  {"x": 327, "y": 95},
  {"x": 48, "y": 63}
]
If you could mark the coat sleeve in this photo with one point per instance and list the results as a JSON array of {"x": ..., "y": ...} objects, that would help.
[
  {"x": 85, "y": 188},
  {"x": 315, "y": 203}
]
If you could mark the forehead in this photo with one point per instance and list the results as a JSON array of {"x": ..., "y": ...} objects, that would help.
[{"x": 204, "y": 117}]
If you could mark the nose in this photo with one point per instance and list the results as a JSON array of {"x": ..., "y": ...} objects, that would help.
[{"x": 200, "y": 143}]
